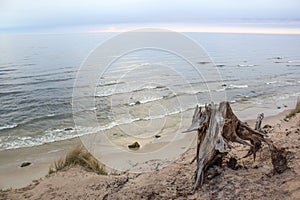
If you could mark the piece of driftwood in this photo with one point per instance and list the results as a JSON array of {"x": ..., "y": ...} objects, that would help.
[
  {"x": 259, "y": 119},
  {"x": 217, "y": 126}
]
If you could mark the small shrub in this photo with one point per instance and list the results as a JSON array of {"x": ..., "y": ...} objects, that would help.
[{"x": 78, "y": 156}]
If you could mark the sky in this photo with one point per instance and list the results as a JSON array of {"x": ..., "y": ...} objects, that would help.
[{"x": 279, "y": 16}]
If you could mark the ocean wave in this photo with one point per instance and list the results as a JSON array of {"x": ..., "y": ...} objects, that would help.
[
  {"x": 48, "y": 74},
  {"x": 8, "y": 126},
  {"x": 126, "y": 68},
  {"x": 136, "y": 65},
  {"x": 36, "y": 82},
  {"x": 145, "y": 100},
  {"x": 236, "y": 86},
  {"x": 148, "y": 87},
  {"x": 10, "y": 93},
  {"x": 230, "y": 87},
  {"x": 193, "y": 92},
  {"x": 242, "y": 65},
  {"x": 55, "y": 135},
  {"x": 162, "y": 116},
  {"x": 293, "y": 61},
  {"x": 106, "y": 93},
  {"x": 271, "y": 82},
  {"x": 110, "y": 92},
  {"x": 283, "y": 83},
  {"x": 36, "y": 119},
  {"x": 7, "y": 70},
  {"x": 220, "y": 90},
  {"x": 110, "y": 83},
  {"x": 39, "y": 81}
]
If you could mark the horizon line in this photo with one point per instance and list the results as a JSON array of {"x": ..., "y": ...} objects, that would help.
[
  {"x": 245, "y": 30},
  {"x": 162, "y": 27}
]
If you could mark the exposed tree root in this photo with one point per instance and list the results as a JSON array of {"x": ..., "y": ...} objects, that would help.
[{"x": 217, "y": 126}]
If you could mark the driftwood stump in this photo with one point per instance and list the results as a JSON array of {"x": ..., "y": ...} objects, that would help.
[{"x": 217, "y": 126}]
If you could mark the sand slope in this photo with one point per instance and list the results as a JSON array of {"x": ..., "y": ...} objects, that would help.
[{"x": 253, "y": 180}]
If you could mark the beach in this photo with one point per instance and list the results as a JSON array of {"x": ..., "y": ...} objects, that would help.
[
  {"x": 252, "y": 180},
  {"x": 149, "y": 100},
  {"x": 145, "y": 96},
  {"x": 40, "y": 157}
]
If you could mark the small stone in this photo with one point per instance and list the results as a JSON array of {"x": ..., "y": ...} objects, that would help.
[
  {"x": 25, "y": 164},
  {"x": 134, "y": 146}
]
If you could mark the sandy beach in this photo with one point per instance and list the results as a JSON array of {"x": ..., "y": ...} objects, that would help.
[
  {"x": 252, "y": 180},
  {"x": 40, "y": 157},
  {"x": 149, "y": 100}
]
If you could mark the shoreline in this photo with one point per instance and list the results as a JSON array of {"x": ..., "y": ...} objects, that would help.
[
  {"x": 252, "y": 179},
  {"x": 41, "y": 157}
]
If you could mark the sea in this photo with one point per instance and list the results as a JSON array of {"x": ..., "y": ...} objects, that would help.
[{"x": 140, "y": 89}]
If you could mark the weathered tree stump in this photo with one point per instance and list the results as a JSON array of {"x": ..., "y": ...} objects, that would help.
[{"x": 217, "y": 125}]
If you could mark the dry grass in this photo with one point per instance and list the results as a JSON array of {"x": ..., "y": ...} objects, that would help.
[
  {"x": 81, "y": 157},
  {"x": 295, "y": 111}
]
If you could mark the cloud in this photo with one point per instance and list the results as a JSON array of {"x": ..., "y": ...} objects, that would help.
[{"x": 32, "y": 14}]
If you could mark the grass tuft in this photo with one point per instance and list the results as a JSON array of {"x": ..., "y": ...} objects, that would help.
[
  {"x": 5, "y": 190},
  {"x": 81, "y": 157},
  {"x": 295, "y": 111}
]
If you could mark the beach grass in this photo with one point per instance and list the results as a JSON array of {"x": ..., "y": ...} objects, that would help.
[
  {"x": 79, "y": 156},
  {"x": 6, "y": 190},
  {"x": 295, "y": 111}
]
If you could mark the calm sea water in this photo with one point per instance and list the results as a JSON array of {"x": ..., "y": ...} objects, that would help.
[{"x": 37, "y": 74}]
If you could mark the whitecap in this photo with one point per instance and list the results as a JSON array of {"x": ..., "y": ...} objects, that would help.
[
  {"x": 271, "y": 82},
  {"x": 294, "y": 61},
  {"x": 237, "y": 86},
  {"x": 8, "y": 126},
  {"x": 241, "y": 65},
  {"x": 110, "y": 83}
]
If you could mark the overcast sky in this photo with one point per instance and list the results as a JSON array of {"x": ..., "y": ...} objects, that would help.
[{"x": 38, "y": 15}]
